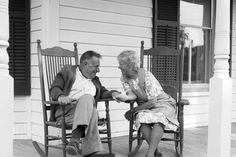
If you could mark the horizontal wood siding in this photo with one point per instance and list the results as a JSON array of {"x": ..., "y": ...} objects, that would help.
[
  {"x": 21, "y": 117},
  {"x": 23, "y": 104},
  {"x": 196, "y": 114},
  {"x": 36, "y": 119},
  {"x": 107, "y": 27},
  {"x": 233, "y": 72}
]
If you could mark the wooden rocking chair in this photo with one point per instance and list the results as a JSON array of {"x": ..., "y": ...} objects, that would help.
[
  {"x": 51, "y": 61},
  {"x": 166, "y": 65}
]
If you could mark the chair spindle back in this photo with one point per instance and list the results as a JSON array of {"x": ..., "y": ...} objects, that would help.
[
  {"x": 165, "y": 65},
  {"x": 51, "y": 60}
]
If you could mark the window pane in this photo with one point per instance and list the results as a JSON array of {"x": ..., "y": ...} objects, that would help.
[
  {"x": 195, "y": 12},
  {"x": 195, "y": 47}
]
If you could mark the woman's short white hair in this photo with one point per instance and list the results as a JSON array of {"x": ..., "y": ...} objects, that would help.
[{"x": 129, "y": 58}]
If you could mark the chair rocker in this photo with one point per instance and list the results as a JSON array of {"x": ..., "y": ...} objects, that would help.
[
  {"x": 51, "y": 60},
  {"x": 166, "y": 65}
]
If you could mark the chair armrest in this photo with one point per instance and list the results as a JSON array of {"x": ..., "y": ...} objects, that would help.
[
  {"x": 183, "y": 102},
  {"x": 52, "y": 102},
  {"x": 130, "y": 101},
  {"x": 52, "y": 109},
  {"x": 105, "y": 99},
  {"x": 57, "y": 103}
]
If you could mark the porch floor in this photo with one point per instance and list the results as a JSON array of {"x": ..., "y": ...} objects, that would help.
[{"x": 195, "y": 145}]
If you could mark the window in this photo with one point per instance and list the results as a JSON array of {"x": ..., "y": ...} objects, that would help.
[{"x": 196, "y": 40}]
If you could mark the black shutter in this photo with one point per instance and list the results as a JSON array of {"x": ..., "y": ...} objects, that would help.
[
  {"x": 166, "y": 68},
  {"x": 19, "y": 45},
  {"x": 166, "y": 23}
]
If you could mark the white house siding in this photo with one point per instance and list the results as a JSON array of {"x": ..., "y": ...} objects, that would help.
[
  {"x": 21, "y": 117},
  {"x": 234, "y": 61},
  {"x": 41, "y": 25},
  {"x": 196, "y": 114},
  {"x": 107, "y": 27},
  {"x": 22, "y": 104},
  {"x": 36, "y": 119}
]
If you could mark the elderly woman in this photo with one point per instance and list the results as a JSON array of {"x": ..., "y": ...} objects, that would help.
[{"x": 156, "y": 110}]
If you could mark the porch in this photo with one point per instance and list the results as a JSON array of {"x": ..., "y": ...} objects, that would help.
[{"x": 195, "y": 145}]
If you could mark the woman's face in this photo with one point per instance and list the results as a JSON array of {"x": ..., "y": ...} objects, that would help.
[{"x": 126, "y": 70}]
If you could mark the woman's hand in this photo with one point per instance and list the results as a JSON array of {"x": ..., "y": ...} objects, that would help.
[
  {"x": 120, "y": 97},
  {"x": 147, "y": 105}
]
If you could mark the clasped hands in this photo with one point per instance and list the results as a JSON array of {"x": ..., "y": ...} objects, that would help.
[{"x": 119, "y": 97}]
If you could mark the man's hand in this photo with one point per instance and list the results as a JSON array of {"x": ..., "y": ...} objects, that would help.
[
  {"x": 120, "y": 97},
  {"x": 63, "y": 100},
  {"x": 114, "y": 94}
]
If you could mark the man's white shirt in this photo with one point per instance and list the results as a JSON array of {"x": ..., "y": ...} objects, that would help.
[{"x": 81, "y": 86}]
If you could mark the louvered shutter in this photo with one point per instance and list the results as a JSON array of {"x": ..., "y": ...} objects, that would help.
[
  {"x": 166, "y": 68},
  {"x": 166, "y": 23},
  {"x": 19, "y": 46}
]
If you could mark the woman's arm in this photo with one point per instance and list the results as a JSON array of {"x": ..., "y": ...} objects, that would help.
[
  {"x": 147, "y": 105},
  {"x": 126, "y": 97}
]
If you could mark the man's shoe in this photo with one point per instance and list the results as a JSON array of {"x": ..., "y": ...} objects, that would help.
[
  {"x": 73, "y": 148},
  {"x": 157, "y": 154},
  {"x": 102, "y": 155}
]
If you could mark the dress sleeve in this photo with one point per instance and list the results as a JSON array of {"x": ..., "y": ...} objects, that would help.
[{"x": 153, "y": 87}]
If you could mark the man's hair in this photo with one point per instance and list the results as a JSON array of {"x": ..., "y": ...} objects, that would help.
[{"x": 88, "y": 55}]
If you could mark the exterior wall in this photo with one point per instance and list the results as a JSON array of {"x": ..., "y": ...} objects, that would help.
[
  {"x": 196, "y": 114},
  {"x": 96, "y": 27},
  {"x": 37, "y": 29},
  {"x": 107, "y": 27},
  {"x": 25, "y": 106},
  {"x": 22, "y": 118},
  {"x": 234, "y": 61}
]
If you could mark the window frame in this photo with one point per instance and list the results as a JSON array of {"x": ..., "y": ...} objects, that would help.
[{"x": 211, "y": 48}]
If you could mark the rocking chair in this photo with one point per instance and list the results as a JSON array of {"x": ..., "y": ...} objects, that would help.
[
  {"x": 51, "y": 61},
  {"x": 166, "y": 65}
]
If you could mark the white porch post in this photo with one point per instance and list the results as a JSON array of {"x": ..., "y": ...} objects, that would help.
[
  {"x": 219, "y": 130},
  {"x": 6, "y": 86}
]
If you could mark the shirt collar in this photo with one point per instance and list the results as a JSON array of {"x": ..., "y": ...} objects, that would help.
[{"x": 81, "y": 75}]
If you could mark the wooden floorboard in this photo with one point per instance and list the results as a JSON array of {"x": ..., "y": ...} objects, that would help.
[{"x": 195, "y": 145}]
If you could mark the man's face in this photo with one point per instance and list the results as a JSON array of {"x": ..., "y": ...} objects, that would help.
[{"x": 91, "y": 67}]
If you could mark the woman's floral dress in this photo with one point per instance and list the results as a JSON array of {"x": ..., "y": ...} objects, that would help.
[{"x": 147, "y": 88}]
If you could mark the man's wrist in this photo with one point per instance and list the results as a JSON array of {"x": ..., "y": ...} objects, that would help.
[
  {"x": 60, "y": 96},
  {"x": 115, "y": 93}
]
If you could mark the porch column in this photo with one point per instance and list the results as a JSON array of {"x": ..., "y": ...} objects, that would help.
[
  {"x": 6, "y": 86},
  {"x": 219, "y": 128}
]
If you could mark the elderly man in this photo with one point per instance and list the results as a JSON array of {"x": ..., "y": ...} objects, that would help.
[{"x": 81, "y": 88}]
